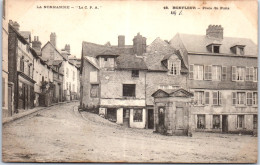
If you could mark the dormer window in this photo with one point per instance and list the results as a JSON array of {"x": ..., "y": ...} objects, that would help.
[
  {"x": 238, "y": 49},
  {"x": 174, "y": 67},
  {"x": 216, "y": 49}
]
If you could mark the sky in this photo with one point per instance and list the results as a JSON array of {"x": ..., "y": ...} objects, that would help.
[{"x": 113, "y": 18}]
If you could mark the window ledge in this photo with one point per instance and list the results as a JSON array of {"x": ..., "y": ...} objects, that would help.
[{"x": 199, "y": 105}]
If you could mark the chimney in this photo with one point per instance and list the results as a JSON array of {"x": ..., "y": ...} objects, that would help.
[
  {"x": 215, "y": 31},
  {"x": 16, "y": 26},
  {"x": 121, "y": 41},
  {"x": 53, "y": 39},
  {"x": 36, "y": 44},
  {"x": 67, "y": 48},
  {"x": 139, "y": 44}
]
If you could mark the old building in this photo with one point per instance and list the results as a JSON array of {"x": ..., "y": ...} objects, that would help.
[
  {"x": 20, "y": 67},
  {"x": 113, "y": 82},
  {"x": 223, "y": 78},
  {"x": 53, "y": 56},
  {"x": 166, "y": 71},
  {"x": 7, "y": 89}
]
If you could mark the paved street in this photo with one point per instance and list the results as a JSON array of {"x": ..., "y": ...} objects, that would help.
[{"x": 60, "y": 133}]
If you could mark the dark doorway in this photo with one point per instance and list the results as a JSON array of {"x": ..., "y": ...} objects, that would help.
[
  {"x": 161, "y": 112},
  {"x": 150, "y": 119},
  {"x": 126, "y": 117},
  {"x": 225, "y": 123},
  {"x": 111, "y": 114}
]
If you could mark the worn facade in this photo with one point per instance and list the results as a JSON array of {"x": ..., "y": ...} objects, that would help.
[
  {"x": 223, "y": 78},
  {"x": 20, "y": 67}
]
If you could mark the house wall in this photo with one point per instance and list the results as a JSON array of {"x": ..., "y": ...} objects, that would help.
[
  {"x": 5, "y": 103},
  {"x": 155, "y": 79},
  {"x": 70, "y": 83},
  {"x": 226, "y": 87},
  {"x": 49, "y": 53},
  {"x": 85, "y": 100}
]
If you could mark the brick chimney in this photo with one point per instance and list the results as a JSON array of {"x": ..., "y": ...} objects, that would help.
[
  {"x": 36, "y": 44},
  {"x": 53, "y": 39},
  {"x": 67, "y": 48},
  {"x": 215, "y": 31},
  {"x": 16, "y": 25},
  {"x": 139, "y": 44},
  {"x": 121, "y": 41}
]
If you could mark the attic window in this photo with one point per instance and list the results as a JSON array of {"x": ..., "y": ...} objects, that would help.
[
  {"x": 216, "y": 49},
  {"x": 241, "y": 50},
  {"x": 105, "y": 59},
  {"x": 135, "y": 73},
  {"x": 174, "y": 67}
]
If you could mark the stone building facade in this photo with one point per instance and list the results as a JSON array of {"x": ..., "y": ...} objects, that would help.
[
  {"x": 223, "y": 78},
  {"x": 20, "y": 67}
]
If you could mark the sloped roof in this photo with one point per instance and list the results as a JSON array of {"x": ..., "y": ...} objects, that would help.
[
  {"x": 25, "y": 34},
  {"x": 56, "y": 62},
  {"x": 198, "y": 43},
  {"x": 126, "y": 59},
  {"x": 158, "y": 51},
  {"x": 54, "y": 49},
  {"x": 93, "y": 61}
]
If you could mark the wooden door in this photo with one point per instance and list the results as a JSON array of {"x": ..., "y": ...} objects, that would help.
[
  {"x": 225, "y": 123},
  {"x": 126, "y": 117},
  {"x": 150, "y": 119}
]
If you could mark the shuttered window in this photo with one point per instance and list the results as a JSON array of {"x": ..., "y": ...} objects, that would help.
[
  {"x": 234, "y": 98},
  {"x": 224, "y": 73},
  {"x": 207, "y": 98},
  {"x": 234, "y": 71},
  {"x": 191, "y": 70},
  {"x": 249, "y": 98},
  {"x": 208, "y": 72}
]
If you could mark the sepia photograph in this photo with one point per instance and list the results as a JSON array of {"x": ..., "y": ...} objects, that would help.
[{"x": 129, "y": 81}]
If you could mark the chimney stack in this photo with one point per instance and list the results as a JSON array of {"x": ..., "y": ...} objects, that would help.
[
  {"x": 121, "y": 41},
  {"x": 67, "y": 48},
  {"x": 36, "y": 44},
  {"x": 16, "y": 25},
  {"x": 53, "y": 39},
  {"x": 215, "y": 31},
  {"x": 139, "y": 44}
]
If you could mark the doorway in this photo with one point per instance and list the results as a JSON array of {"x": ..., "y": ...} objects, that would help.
[
  {"x": 161, "y": 113},
  {"x": 225, "y": 123},
  {"x": 150, "y": 119},
  {"x": 126, "y": 117}
]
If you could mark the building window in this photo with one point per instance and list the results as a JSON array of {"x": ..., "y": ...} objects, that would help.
[
  {"x": 201, "y": 122},
  {"x": 107, "y": 63},
  {"x": 208, "y": 73},
  {"x": 22, "y": 64},
  {"x": 199, "y": 97},
  {"x": 238, "y": 73},
  {"x": 217, "y": 98},
  {"x": 249, "y": 74},
  {"x": 198, "y": 72},
  {"x": 174, "y": 67},
  {"x": 224, "y": 73},
  {"x": 138, "y": 115},
  {"x": 255, "y": 77},
  {"x": 241, "y": 50},
  {"x": 206, "y": 98},
  {"x": 216, "y": 48},
  {"x": 240, "y": 121},
  {"x": 216, "y": 121},
  {"x": 255, "y": 98},
  {"x": 135, "y": 73},
  {"x": 241, "y": 98},
  {"x": 216, "y": 73},
  {"x": 249, "y": 98},
  {"x": 94, "y": 90},
  {"x": 255, "y": 122},
  {"x": 129, "y": 90}
]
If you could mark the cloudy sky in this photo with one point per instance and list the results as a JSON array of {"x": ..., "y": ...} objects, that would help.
[{"x": 113, "y": 18}]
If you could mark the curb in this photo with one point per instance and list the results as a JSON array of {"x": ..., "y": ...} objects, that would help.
[{"x": 19, "y": 116}]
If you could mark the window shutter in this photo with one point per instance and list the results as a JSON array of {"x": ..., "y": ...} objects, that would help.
[
  {"x": 247, "y": 74},
  {"x": 191, "y": 71},
  {"x": 210, "y": 72},
  {"x": 215, "y": 98},
  {"x": 249, "y": 98},
  {"x": 251, "y": 73},
  {"x": 234, "y": 98},
  {"x": 224, "y": 73},
  {"x": 206, "y": 72},
  {"x": 234, "y": 73},
  {"x": 206, "y": 98},
  {"x": 255, "y": 74},
  {"x": 219, "y": 98}
]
